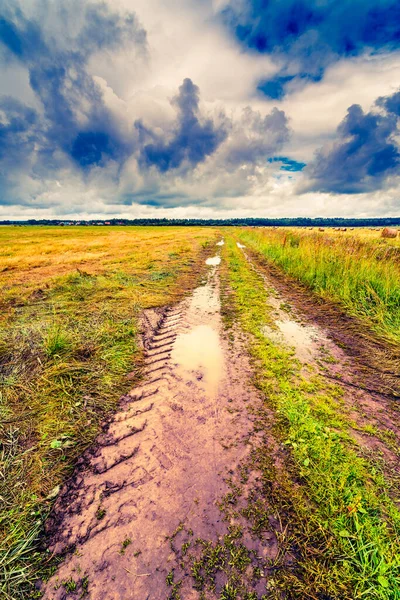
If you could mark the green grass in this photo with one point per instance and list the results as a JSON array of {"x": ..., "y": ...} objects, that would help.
[
  {"x": 67, "y": 344},
  {"x": 345, "y": 527},
  {"x": 357, "y": 271}
]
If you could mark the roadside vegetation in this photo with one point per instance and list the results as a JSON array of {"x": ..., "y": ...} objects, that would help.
[
  {"x": 339, "y": 514},
  {"x": 70, "y": 304},
  {"x": 357, "y": 269}
]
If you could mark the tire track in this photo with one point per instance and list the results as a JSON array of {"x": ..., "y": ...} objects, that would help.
[{"x": 165, "y": 456}]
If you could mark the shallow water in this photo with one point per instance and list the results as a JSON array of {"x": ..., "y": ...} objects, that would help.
[
  {"x": 200, "y": 350},
  {"x": 304, "y": 339},
  {"x": 205, "y": 299},
  {"x": 213, "y": 261}
]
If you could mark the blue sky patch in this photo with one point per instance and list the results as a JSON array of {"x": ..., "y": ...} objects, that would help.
[{"x": 287, "y": 164}]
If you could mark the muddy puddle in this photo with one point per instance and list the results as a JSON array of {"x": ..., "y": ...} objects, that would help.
[
  {"x": 213, "y": 261},
  {"x": 309, "y": 342},
  {"x": 304, "y": 340},
  {"x": 200, "y": 351},
  {"x": 289, "y": 329}
]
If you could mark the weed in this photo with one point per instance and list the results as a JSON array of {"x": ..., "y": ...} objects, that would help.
[
  {"x": 100, "y": 513},
  {"x": 70, "y": 585},
  {"x": 127, "y": 542},
  {"x": 84, "y": 586}
]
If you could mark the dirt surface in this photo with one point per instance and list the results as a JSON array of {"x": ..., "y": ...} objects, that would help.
[{"x": 162, "y": 460}]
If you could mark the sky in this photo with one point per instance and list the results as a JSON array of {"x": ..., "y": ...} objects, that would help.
[{"x": 199, "y": 108}]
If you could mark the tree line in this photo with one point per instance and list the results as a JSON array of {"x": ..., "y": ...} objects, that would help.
[{"x": 237, "y": 222}]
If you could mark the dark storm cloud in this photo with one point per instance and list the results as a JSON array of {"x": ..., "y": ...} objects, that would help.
[
  {"x": 365, "y": 152},
  {"x": 17, "y": 132},
  {"x": 58, "y": 76},
  {"x": 193, "y": 139},
  {"x": 308, "y": 35}
]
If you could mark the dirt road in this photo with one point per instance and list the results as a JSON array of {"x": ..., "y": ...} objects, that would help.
[
  {"x": 170, "y": 501},
  {"x": 163, "y": 460}
]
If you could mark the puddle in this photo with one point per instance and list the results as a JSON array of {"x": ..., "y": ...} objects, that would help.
[
  {"x": 197, "y": 352},
  {"x": 203, "y": 299},
  {"x": 221, "y": 243},
  {"x": 200, "y": 351},
  {"x": 304, "y": 339},
  {"x": 213, "y": 261}
]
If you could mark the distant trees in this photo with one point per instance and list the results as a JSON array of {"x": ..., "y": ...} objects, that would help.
[{"x": 248, "y": 222}]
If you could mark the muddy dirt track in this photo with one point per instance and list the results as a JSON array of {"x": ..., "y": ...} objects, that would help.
[
  {"x": 167, "y": 455},
  {"x": 162, "y": 460}
]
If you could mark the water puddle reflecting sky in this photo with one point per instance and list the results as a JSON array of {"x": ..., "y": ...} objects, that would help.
[
  {"x": 200, "y": 350},
  {"x": 213, "y": 261}
]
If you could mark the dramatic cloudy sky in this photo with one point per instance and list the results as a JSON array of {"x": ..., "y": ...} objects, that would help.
[{"x": 199, "y": 108}]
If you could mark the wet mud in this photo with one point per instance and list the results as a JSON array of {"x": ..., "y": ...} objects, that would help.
[{"x": 164, "y": 459}]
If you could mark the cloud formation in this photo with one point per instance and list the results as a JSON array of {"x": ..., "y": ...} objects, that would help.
[
  {"x": 71, "y": 116},
  {"x": 364, "y": 155},
  {"x": 193, "y": 137},
  {"x": 78, "y": 129},
  {"x": 306, "y": 36},
  {"x": 179, "y": 108}
]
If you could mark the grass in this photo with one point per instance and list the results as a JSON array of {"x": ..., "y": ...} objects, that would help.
[
  {"x": 344, "y": 527},
  {"x": 357, "y": 269},
  {"x": 69, "y": 336}
]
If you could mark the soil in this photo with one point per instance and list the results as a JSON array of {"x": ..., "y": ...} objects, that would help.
[{"x": 167, "y": 458}]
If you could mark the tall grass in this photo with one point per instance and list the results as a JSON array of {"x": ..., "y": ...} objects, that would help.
[{"x": 362, "y": 274}]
